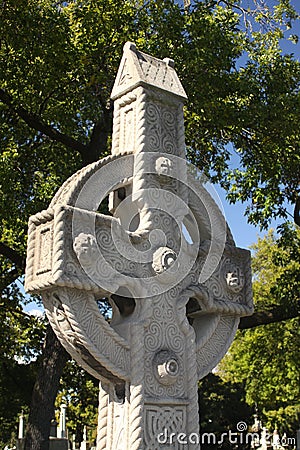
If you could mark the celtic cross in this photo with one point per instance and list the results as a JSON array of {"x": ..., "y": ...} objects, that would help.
[{"x": 164, "y": 258}]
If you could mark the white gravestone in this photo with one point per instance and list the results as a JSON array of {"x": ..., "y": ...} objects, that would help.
[{"x": 165, "y": 258}]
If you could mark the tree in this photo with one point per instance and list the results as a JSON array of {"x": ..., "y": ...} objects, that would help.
[
  {"x": 222, "y": 407},
  {"x": 79, "y": 391},
  {"x": 266, "y": 359},
  {"x": 59, "y": 63},
  {"x": 54, "y": 358},
  {"x": 21, "y": 336}
]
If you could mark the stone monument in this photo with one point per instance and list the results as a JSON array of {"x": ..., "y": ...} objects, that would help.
[{"x": 164, "y": 257}]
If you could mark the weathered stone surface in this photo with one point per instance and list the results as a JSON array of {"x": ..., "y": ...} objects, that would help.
[{"x": 165, "y": 258}]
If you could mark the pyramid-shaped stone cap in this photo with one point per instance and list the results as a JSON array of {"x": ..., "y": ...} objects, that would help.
[{"x": 140, "y": 69}]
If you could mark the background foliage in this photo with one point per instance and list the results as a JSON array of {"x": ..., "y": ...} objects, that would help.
[
  {"x": 58, "y": 64},
  {"x": 266, "y": 359}
]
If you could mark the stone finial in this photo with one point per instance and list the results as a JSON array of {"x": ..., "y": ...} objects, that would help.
[{"x": 139, "y": 69}]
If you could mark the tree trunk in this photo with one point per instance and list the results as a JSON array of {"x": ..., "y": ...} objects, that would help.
[{"x": 53, "y": 360}]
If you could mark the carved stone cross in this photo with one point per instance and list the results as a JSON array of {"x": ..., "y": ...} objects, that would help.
[{"x": 164, "y": 258}]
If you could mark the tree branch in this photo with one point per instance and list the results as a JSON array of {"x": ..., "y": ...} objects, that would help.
[
  {"x": 297, "y": 212},
  {"x": 13, "y": 255},
  {"x": 6, "y": 280},
  {"x": 35, "y": 122},
  {"x": 98, "y": 142},
  {"x": 277, "y": 314}
]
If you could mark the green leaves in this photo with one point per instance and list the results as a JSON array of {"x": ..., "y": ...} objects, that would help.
[
  {"x": 79, "y": 391},
  {"x": 59, "y": 61},
  {"x": 266, "y": 359},
  {"x": 21, "y": 337},
  {"x": 222, "y": 405}
]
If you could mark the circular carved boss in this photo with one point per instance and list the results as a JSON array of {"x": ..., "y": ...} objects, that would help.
[{"x": 166, "y": 367}]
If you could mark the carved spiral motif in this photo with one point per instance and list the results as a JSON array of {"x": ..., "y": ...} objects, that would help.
[
  {"x": 153, "y": 120},
  {"x": 174, "y": 340},
  {"x": 153, "y": 337},
  {"x": 216, "y": 287},
  {"x": 169, "y": 118},
  {"x": 167, "y": 143}
]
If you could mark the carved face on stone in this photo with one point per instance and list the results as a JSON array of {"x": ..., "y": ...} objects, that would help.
[
  {"x": 163, "y": 166},
  {"x": 235, "y": 279},
  {"x": 85, "y": 247}
]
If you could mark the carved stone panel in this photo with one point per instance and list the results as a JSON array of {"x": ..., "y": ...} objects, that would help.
[{"x": 163, "y": 424}]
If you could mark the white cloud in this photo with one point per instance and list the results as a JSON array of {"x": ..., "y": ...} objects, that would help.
[{"x": 36, "y": 312}]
